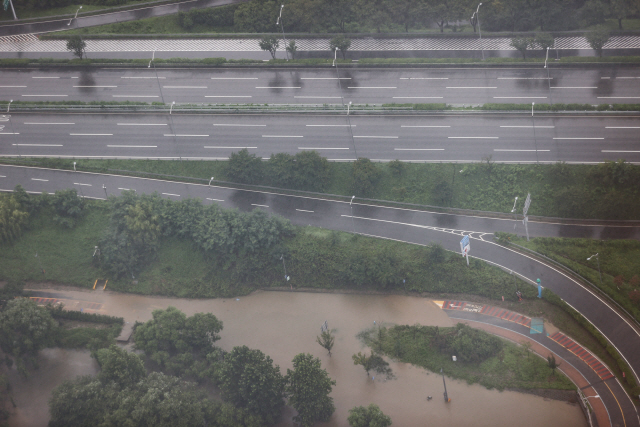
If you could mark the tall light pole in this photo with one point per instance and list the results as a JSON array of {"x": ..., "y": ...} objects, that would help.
[
  {"x": 513, "y": 211},
  {"x": 353, "y": 142},
  {"x": 171, "y": 108},
  {"x": 75, "y": 17},
  {"x": 104, "y": 187},
  {"x": 535, "y": 141},
  {"x": 446, "y": 396},
  {"x": 476, "y": 14},
  {"x": 210, "y": 181},
  {"x": 15, "y": 18},
  {"x": 349, "y": 105},
  {"x": 286, "y": 278},
  {"x": 9, "y": 106},
  {"x": 597, "y": 259},
  {"x": 353, "y": 224},
  {"x": 279, "y": 21},
  {"x": 74, "y": 169}
]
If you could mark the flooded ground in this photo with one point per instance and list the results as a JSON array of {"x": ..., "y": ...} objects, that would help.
[{"x": 283, "y": 324}]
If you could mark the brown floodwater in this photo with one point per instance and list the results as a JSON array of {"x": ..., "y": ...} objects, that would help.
[{"x": 283, "y": 324}]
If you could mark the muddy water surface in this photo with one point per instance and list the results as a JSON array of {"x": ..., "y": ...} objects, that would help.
[{"x": 283, "y": 324}]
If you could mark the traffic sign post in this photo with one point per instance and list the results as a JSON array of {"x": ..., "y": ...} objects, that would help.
[
  {"x": 465, "y": 246},
  {"x": 524, "y": 212}
]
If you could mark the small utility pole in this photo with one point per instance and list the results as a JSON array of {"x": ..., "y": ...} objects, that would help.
[{"x": 446, "y": 396}]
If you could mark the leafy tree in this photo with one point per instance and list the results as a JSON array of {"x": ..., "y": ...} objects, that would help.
[
  {"x": 543, "y": 40},
  {"x": 522, "y": 44},
  {"x": 248, "y": 379},
  {"x": 370, "y": 416},
  {"x": 598, "y": 38},
  {"x": 244, "y": 168},
  {"x": 68, "y": 207},
  {"x": 621, "y": 9},
  {"x": 373, "y": 12},
  {"x": 292, "y": 49},
  {"x": 269, "y": 44},
  {"x": 552, "y": 363},
  {"x": 326, "y": 340},
  {"x": 256, "y": 16},
  {"x": 12, "y": 218},
  {"x": 341, "y": 43},
  {"x": 337, "y": 13},
  {"x": 10, "y": 291},
  {"x": 77, "y": 46},
  {"x": 593, "y": 12},
  {"x": 365, "y": 176},
  {"x": 443, "y": 11},
  {"x": 281, "y": 169},
  {"x": 312, "y": 171},
  {"x": 120, "y": 366},
  {"x": 174, "y": 341},
  {"x": 308, "y": 388},
  {"x": 406, "y": 12},
  {"x": 25, "y": 329},
  {"x": 473, "y": 345},
  {"x": 142, "y": 224},
  {"x": 374, "y": 363}
]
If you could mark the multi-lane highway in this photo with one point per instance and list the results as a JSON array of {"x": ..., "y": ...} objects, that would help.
[
  {"x": 435, "y": 138},
  {"x": 331, "y": 86}
]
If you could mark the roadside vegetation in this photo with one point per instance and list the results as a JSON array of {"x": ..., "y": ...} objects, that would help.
[
  {"x": 608, "y": 190},
  {"x": 481, "y": 358},
  {"x": 372, "y": 16}
]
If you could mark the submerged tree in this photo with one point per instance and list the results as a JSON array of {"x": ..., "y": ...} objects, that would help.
[{"x": 326, "y": 340}]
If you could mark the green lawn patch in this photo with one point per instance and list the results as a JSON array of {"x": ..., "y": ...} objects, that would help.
[{"x": 481, "y": 358}]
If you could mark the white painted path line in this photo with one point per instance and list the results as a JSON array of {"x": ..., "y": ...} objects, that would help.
[
  {"x": 325, "y": 78},
  {"x": 171, "y": 194},
  {"x": 622, "y": 127},
  {"x": 91, "y": 134},
  {"x": 318, "y": 97},
  {"x": 619, "y": 97},
  {"x": 262, "y": 206},
  {"x": 372, "y": 136},
  {"x": 38, "y": 145},
  {"x": 153, "y": 77},
  {"x": 424, "y": 78},
  {"x": 11, "y": 86},
  {"x": 519, "y": 97},
  {"x": 227, "y": 96},
  {"x": 10, "y": 133},
  {"x": 42, "y": 123},
  {"x": 132, "y": 146},
  {"x": 278, "y": 87},
  {"x": 472, "y": 87},
  {"x": 95, "y": 86},
  {"x": 215, "y": 200},
  {"x": 125, "y": 189},
  {"x": 228, "y": 148},
  {"x": 425, "y": 126},
  {"x": 232, "y": 124},
  {"x": 234, "y": 78},
  {"x": 39, "y": 179},
  {"x": 372, "y": 87},
  {"x": 525, "y": 151},
  {"x": 184, "y": 87},
  {"x": 578, "y": 138},
  {"x": 331, "y": 126},
  {"x": 79, "y": 183},
  {"x": 283, "y": 136},
  {"x": 529, "y": 127},
  {"x": 619, "y": 151},
  {"x": 45, "y": 77},
  {"x": 3, "y": 176},
  {"x": 417, "y": 97},
  {"x": 172, "y": 134},
  {"x": 627, "y": 77},
  {"x": 142, "y": 124},
  {"x": 473, "y": 137},
  {"x": 418, "y": 149},
  {"x": 320, "y": 148},
  {"x": 525, "y": 78},
  {"x": 304, "y": 210},
  {"x": 44, "y": 95},
  {"x": 135, "y": 96},
  {"x": 574, "y": 87}
]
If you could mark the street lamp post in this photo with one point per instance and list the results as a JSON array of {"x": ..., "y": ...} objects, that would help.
[
  {"x": 9, "y": 106},
  {"x": 75, "y": 17},
  {"x": 535, "y": 141},
  {"x": 171, "y": 108},
  {"x": 446, "y": 396},
  {"x": 279, "y": 21},
  {"x": 210, "y": 181},
  {"x": 153, "y": 56},
  {"x": 513, "y": 211},
  {"x": 335, "y": 57},
  {"x": 286, "y": 278},
  {"x": 353, "y": 142},
  {"x": 597, "y": 259},
  {"x": 74, "y": 166},
  {"x": 104, "y": 187},
  {"x": 15, "y": 18},
  {"x": 348, "y": 106},
  {"x": 353, "y": 224},
  {"x": 476, "y": 14}
]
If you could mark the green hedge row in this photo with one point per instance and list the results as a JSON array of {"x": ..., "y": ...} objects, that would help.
[{"x": 59, "y": 313}]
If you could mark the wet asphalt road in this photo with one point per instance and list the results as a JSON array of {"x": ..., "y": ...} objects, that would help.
[
  {"x": 459, "y": 86},
  {"x": 433, "y": 138},
  {"x": 404, "y": 225}
]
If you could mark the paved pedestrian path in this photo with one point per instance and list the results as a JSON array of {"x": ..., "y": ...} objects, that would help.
[{"x": 31, "y": 43}]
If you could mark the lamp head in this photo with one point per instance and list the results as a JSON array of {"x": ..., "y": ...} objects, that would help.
[{"x": 80, "y": 7}]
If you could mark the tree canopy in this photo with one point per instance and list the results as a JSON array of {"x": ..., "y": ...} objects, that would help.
[
  {"x": 370, "y": 416},
  {"x": 308, "y": 388}
]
